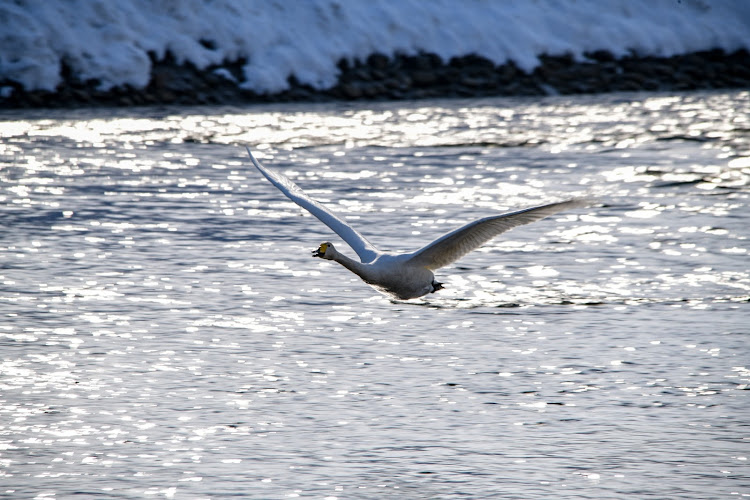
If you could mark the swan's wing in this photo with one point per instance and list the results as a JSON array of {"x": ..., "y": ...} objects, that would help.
[
  {"x": 366, "y": 250},
  {"x": 463, "y": 240}
]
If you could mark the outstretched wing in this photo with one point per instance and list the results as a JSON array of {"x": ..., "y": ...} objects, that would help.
[
  {"x": 456, "y": 244},
  {"x": 366, "y": 250}
]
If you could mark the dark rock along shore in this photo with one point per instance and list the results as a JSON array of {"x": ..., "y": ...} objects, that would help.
[{"x": 380, "y": 77}]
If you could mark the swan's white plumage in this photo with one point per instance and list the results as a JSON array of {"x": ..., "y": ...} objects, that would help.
[
  {"x": 408, "y": 276},
  {"x": 366, "y": 250},
  {"x": 454, "y": 245}
]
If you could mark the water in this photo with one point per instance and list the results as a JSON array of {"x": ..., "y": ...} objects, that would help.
[{"x": 165, "y": 332}]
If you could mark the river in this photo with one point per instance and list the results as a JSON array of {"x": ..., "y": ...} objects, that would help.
[{"x": 165, "y": 332}]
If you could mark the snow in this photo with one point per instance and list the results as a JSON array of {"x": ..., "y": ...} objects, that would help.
[{"x": 111, "y": 41}]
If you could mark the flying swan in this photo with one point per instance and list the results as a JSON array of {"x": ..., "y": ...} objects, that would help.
[{"x": 409, "y": 275}]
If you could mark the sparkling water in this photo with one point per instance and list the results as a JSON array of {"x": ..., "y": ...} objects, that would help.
[{"x": 165, "y": 332}]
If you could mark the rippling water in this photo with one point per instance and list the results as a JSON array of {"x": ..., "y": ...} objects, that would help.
[{"x": 165, "y": 332}]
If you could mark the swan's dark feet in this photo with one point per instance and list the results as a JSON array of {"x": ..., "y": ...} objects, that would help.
[{"x": 436, "y": 286}]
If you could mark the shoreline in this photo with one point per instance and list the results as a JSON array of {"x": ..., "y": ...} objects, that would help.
[{"x": 380, "y": 78}]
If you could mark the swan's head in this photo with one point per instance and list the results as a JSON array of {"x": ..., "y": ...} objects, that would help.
[{"x": 325, "y": 251}]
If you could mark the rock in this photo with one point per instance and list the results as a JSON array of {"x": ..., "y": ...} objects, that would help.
[
  {"x": 404, "y": 77},
  {"x": 507, "y": 72},
  {"x": 471, "y": 61},
  {"x": 378, "y": 61},
  {"x": 475, "y": 82},
  {"x": 600, "y": 56},
  {"x": 373, "y": 90},
  {"x": 351, "y": 91},
  {"x": 362, "y": 74},
  {"x": 423, "y": 78}
]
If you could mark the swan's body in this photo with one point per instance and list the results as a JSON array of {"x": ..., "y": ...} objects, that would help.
[{"x": 407, "y": 276}]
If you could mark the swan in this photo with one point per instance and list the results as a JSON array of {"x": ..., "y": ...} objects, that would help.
[{"x": 410, "y": 275}]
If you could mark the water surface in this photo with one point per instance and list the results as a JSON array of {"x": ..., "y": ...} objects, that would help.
[{"x": 165, "y": 332}]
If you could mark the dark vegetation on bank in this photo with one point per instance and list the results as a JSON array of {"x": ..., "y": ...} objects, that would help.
[{"x": 380, "y": 77}]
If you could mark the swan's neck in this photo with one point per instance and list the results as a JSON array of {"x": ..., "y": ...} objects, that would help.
[{"x": 356, "y": 267}]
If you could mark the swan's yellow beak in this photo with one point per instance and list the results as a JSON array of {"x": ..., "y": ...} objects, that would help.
[{"x": 320, "y": 252}]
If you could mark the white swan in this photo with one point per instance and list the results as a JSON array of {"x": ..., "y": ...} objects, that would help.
[{"x": 407, "y": 276}]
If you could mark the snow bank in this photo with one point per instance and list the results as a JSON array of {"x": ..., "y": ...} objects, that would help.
[{"x": 114, "y": 41}]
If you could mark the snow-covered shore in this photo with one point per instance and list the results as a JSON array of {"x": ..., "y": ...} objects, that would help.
[{"x": 94, "y": 50}]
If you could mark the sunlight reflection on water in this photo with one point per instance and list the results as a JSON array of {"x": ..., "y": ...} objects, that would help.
[{"x": 166, "y": 333}]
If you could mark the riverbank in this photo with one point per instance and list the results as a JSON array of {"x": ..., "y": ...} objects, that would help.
[{"x": 379, "y": 77}]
